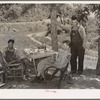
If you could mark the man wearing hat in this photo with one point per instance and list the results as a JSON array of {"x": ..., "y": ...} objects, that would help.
[{"x": 78, "y": 44}]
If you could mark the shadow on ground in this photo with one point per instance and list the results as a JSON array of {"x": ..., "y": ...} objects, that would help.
[{"x": 88, "y": 80}]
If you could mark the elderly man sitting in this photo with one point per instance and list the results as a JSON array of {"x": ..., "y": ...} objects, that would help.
[{"x": 59, "y": 61}]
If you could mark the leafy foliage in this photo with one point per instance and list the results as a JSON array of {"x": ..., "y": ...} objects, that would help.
[
  {"x": 82, "y": 13},
  {"x": 13, "y": 12},
  {"x": 96, "y": 9}
]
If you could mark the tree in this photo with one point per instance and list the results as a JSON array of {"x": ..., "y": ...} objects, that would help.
[
  {"x": 13, "y": 12},
  {"x": 81, "y": 11},
  {"x": 96, "y": 9},
  {"x": 26, "y": 7},
  {"x": 55, "y": 11},
  {"x": 54, "y": 28}
]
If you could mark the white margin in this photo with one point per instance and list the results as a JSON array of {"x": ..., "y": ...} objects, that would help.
[
  {"x": 45, "y": 2},
  {"x": 42, "y": 93}
]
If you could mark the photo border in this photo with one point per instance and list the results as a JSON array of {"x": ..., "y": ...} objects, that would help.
[{"x": 72, "y": 94}]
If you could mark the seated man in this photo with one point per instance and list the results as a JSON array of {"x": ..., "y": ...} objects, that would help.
[
  {"x": 11, "y": 55},
  {"x": 59, "y": 61}
]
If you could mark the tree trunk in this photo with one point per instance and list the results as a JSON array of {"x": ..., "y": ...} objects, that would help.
[
  {"x": 98, "y": 63},
  {"x": 54, "y": 29}
]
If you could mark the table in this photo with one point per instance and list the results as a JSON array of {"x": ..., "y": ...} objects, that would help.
[{"x": 38, "y": 55}]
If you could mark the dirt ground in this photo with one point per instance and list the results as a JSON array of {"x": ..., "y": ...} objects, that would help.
[{"x": 88, "y": 80}]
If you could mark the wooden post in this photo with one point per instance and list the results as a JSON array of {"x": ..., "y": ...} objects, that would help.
[{"x": 54, "y": 28}]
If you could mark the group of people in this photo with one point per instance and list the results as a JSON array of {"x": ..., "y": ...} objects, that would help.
[{"x": 77, "y": 47}]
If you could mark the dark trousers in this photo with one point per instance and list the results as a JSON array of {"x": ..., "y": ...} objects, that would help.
[
  {"x": 26, "y": 65},
  {"x": 77, "y": 51}
]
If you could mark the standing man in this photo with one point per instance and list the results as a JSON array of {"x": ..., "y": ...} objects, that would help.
[{"x": 78, "y": 44}]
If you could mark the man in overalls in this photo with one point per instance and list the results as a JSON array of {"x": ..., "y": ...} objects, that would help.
[{"x": 78, "y": 44}]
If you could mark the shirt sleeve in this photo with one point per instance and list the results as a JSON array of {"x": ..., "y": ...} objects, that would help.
[{"x": 83, "y": 34}]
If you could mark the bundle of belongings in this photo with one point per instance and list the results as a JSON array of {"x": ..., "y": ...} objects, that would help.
[{"x": 59, "y": 60}]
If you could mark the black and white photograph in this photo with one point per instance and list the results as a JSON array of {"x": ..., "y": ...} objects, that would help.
[{"x": 49, "y": 46}]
